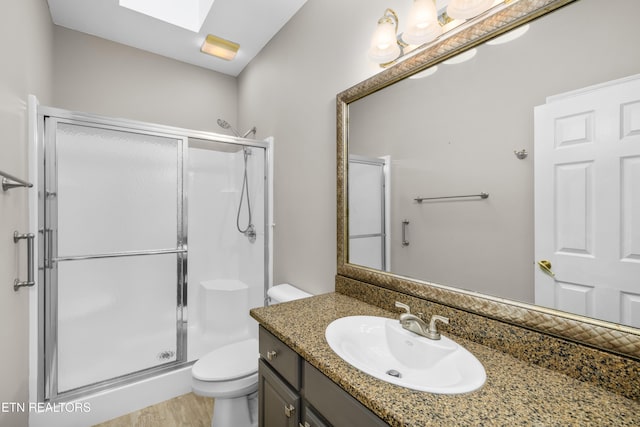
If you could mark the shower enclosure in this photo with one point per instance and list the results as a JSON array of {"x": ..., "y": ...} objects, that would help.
[{"x": 132, "y": 218}]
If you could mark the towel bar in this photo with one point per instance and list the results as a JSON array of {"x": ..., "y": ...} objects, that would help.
[
  {"x": 482, "y": 195},
  {"x": 10, "y": 181},
  {"x": 17, "y": 284}
]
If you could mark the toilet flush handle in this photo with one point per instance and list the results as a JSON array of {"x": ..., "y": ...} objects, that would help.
[{"x": 271, "y": 355}]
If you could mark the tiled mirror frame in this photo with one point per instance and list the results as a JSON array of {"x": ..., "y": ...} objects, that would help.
[{"x": 602, "y": 335}]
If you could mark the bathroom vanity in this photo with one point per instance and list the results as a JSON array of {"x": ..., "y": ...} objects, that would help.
[
  {"x": 308, "y": 380},
  {"x": 294, "y": 393}
]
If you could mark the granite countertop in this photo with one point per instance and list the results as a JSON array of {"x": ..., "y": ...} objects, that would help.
[{"x": 516, "y": 393}]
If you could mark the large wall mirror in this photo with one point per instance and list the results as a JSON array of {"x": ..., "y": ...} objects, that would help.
[{"x": 499, "y": 170}]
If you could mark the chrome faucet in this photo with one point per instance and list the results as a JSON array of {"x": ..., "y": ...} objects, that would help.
[{"x": 415, "y": 324}]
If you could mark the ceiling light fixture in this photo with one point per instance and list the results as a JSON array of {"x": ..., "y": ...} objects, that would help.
[
  {"x": 219, "y": 47},
  {"x": 424, "y": 24}
]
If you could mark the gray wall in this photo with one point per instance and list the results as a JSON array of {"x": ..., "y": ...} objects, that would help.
[
  {"x": 97, "y": 76},
  {"x": 289, "y": 91},
  {"x": 74, "y": 71},
  {"x": 25, "y": 43}
]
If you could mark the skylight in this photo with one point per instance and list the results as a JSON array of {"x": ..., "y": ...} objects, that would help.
[{"x": 189, "y": 14}]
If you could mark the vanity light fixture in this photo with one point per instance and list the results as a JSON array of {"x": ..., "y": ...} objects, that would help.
[
  {"x": 466, "y": 9},
  {"x": 385, "y": 45},
  {"x": 219, "y": 47},
  {"x": 424, "y": 24}
]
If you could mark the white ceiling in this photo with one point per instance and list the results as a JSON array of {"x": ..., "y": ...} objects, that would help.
[{"x": 250, "y": 23}]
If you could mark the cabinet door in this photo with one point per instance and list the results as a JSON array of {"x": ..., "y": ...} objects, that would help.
[
  {"x": 279, "y": 404},
  {"x": 335, "y": 404},
  {"x": 311, "y": 419}
]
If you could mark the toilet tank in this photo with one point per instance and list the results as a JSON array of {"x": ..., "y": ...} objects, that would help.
[{"x": 285, "y": 292}]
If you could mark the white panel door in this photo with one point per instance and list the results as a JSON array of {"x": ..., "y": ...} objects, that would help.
[{"x": 587, "y": 198}]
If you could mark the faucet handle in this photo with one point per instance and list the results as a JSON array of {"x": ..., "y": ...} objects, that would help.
[
  {"x": 405, "y": 307},
  {"x": 433, "y": 328}
]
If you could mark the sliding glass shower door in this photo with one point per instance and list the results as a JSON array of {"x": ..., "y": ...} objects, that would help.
[{"x": 114, "y": 253}]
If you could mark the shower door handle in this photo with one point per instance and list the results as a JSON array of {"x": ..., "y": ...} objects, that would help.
[
  {"x": 17, "y": 283},
  {"x": 48, "y": 242}
]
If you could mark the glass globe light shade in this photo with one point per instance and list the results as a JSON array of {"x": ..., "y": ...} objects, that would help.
[
  {"x": 422, "y": 23},
  {"x": 384, "y": 43},
  {"x": 466, "y": 9}
]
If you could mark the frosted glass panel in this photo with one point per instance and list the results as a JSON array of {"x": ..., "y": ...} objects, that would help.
[
  {"x": 366, "y": 251},
  {"x": 117, "y": 190},
  {"x": 115, "y": 316},
  {"x": 365, "y": 203}
]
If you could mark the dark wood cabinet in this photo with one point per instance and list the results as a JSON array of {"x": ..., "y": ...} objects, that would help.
[
  {"x": 292, "y": 393},
  {"x": 279, "y": 404}
]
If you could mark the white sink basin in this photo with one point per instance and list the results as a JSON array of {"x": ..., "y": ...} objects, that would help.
[{"x": 383, "y": 349}]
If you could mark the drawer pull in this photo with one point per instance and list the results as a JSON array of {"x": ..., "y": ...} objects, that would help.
[
  {"x": 289, "y": 410},
  {"x": 271, "y": 355}
]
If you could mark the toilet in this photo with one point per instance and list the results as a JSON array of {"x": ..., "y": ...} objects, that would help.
[{"x": 230, "y": 373}]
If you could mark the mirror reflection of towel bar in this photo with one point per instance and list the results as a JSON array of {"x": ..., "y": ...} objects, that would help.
[{"x": 482, "y": 195}]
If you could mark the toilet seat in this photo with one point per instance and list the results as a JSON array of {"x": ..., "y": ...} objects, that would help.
[{"x": 230, "y": 362}]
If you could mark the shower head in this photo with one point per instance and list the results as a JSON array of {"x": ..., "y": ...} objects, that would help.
[
  {"x": 225, "y": 125},
  {"x": 252, "y": 130}
]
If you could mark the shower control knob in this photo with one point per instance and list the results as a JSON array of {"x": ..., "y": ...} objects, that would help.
[{"x": 271, "y": 355}]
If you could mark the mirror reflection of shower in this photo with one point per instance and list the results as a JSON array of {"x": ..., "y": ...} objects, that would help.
[{"x": 250, "y": 229}]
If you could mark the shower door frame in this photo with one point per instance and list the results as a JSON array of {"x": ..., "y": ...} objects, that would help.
[
  {"x": 45, "y": 343},
  {"x": 47, "y": 252}
]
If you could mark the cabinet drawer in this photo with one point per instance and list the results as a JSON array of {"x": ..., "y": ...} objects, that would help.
[
  {"x": 282, "y": 359},
  {"x": 335, "y": 404}
]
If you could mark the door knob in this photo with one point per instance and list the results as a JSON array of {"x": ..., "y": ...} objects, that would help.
[{"x": 546, "y": 267}]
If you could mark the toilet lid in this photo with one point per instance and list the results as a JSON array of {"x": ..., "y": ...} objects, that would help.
[{"x": 236, "y": 360}]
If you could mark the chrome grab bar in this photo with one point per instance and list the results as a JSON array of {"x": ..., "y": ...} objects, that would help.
[
  {"x": 17, "y": 182},
  {"x": 17, "y": 284},
  {"x": 405, "y": 224}
]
